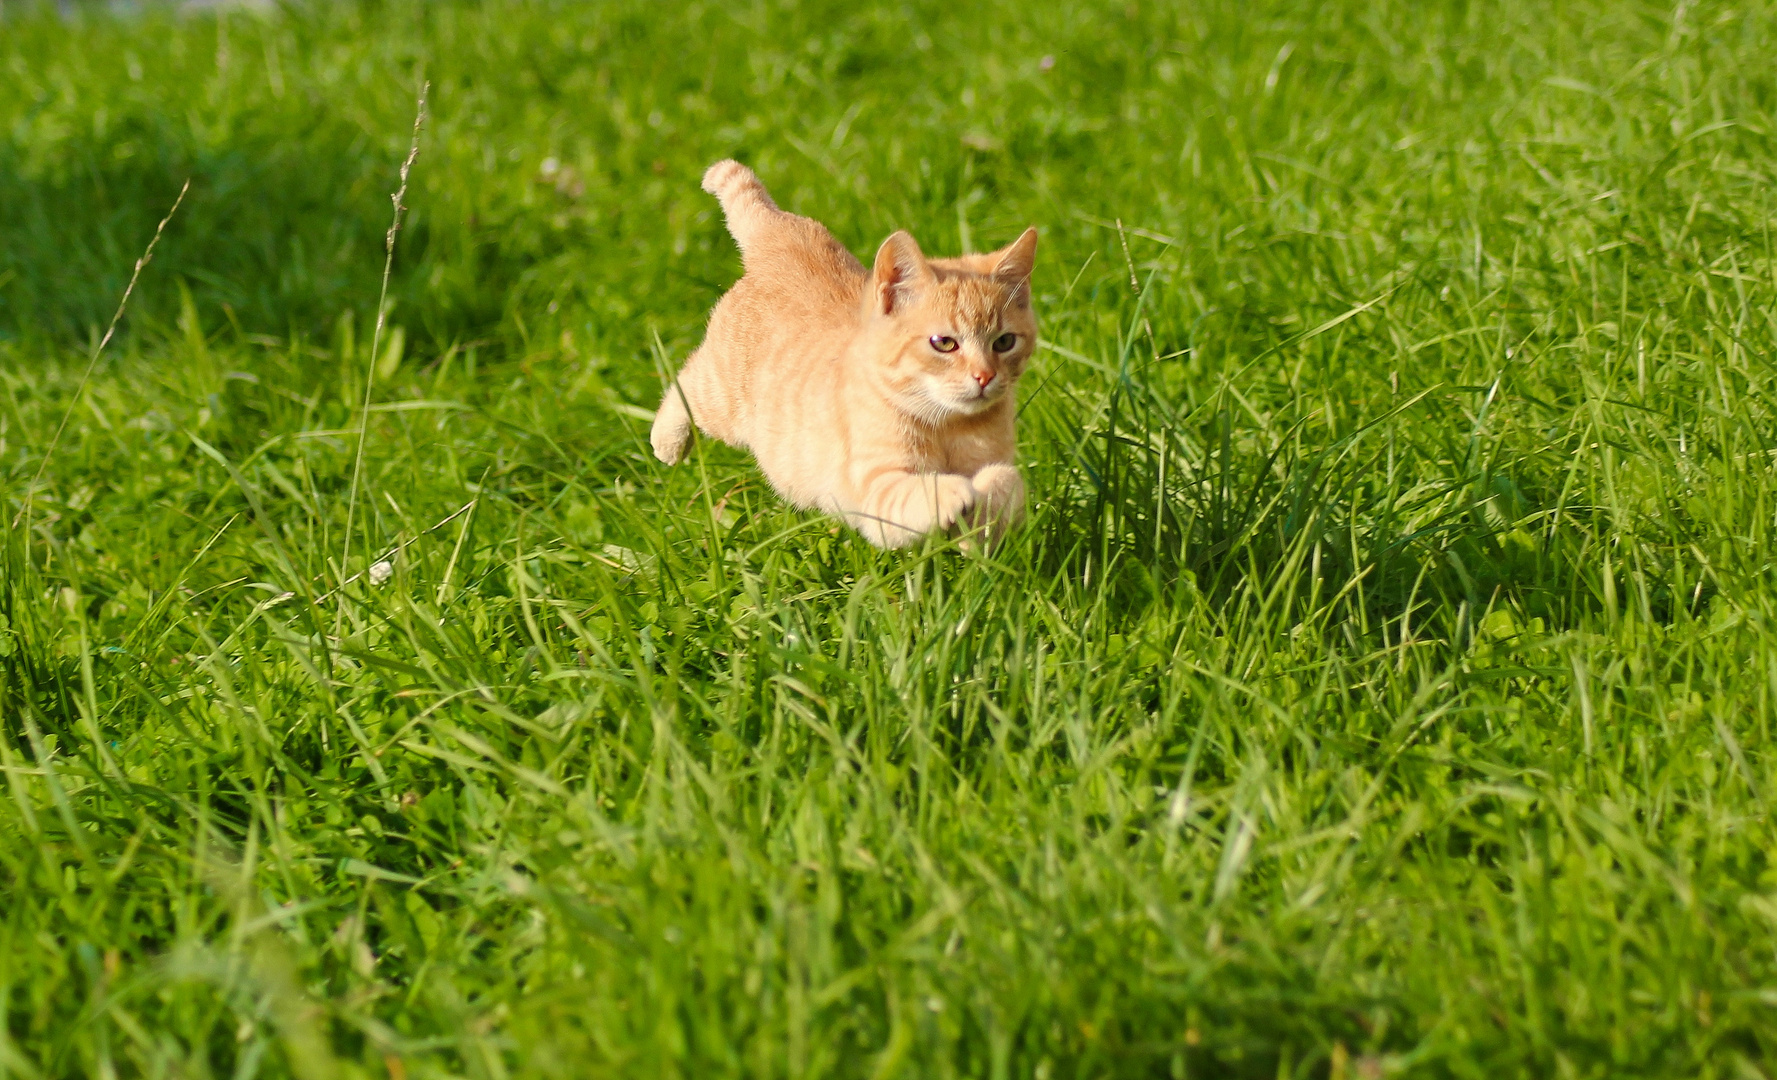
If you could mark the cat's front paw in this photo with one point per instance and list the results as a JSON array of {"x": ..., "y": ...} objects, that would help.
[
  {"x": 901, "y": 510},
  {"x": 953, "y": 498},
  {"x": 920, "y": 503},
  {"x": 999, "y": 502}
]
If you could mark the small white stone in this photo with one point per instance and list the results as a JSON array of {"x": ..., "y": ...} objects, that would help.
[{"x": 381, "y": 572}]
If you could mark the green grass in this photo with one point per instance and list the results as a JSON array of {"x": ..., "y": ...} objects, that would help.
[{"x": 1383, "y": 685}]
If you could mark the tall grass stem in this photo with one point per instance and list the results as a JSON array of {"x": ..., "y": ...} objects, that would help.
[
  {"x": 376, "y": 338},
  {"x": 98, "y": 350}
]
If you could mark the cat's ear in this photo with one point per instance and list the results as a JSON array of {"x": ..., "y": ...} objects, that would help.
[
  {"x": 1016, "y": 258},
  {"x": 900, "y": 267}
]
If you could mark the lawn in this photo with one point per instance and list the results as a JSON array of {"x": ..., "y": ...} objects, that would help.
[{"x": 1383, "y": 684}]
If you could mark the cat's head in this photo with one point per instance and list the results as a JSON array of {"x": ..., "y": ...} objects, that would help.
[{"x": 950, "y": 336}]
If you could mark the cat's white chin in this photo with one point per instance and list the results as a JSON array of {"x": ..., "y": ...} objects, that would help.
[
  {"x": 936, "y": 406},
  {"x": 951, "y": 402},
  {"x": 975, "y": 404}
]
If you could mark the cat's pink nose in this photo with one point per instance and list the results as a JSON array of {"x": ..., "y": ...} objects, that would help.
[{"x": 982, "y": 378}]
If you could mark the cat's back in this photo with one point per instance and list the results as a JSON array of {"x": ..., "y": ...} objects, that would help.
[
  {"x": 774, "y": 343},
  {"x": 790, "y": 314},
  {"x": 798, "y": 270}
]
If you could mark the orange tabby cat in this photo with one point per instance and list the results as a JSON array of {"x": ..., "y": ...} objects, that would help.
[{"x": 881, "y": 395}]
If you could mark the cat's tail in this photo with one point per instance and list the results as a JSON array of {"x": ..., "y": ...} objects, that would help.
[{"x": 744, "y": 200}]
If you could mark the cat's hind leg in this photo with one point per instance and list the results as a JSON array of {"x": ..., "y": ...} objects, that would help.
[
  {"x": 672, "y": 427},
  {"x": 673, "y": 420},
  {"x": 745, "y": 202}
]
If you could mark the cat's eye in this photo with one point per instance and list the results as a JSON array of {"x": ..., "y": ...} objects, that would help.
[
  {"x": 943, "y": 343},
  {"x": 1004, "y": 342}
]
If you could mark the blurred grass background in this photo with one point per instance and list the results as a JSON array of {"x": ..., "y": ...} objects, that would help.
[{"x": 1383, "y": 685}]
